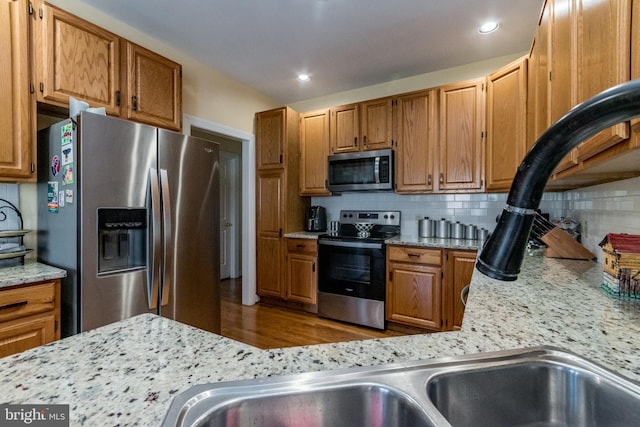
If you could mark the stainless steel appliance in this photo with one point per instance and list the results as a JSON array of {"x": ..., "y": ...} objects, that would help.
[
  {"x": 316, "y": 219},
  {"x": 131, "y": 212},
  {"x": 352, "y": 267},
  {"x": 361, "y": 171}
]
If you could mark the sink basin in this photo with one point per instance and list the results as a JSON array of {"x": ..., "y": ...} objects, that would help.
[
  {"x": 533, "y": 393},
  {"x": 542, "y": 386}
]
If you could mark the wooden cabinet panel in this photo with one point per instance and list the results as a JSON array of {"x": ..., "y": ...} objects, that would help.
[
  {"x": 417, "y": 255},
  {"x": 345, "y": 129},
  {"x": 461, "y": 151},
  {"x": 602, "y": 60},
  {"x": 29, "y": 316},
  {"x": 270, "y": 138},
  {"x": 315, "y": 147},
  {"x": 414, "y": 295},
  {"x": 302, "y": 278},
  {"x": 459, "y": 271},
  {"x": 506, "y": 124},
  {"x": 79, "y": 59},
  {"x": 538, "y": 81},
  {"x": 269, "y": 268},
  {"x": 635, "y": 54},
  {"x": 416, "y": 138},
  {"x": 17, "y": 105},
  {"x": 154, "y": 88},
  {"x": 376, "y": 125},
  {"x": 269, "y": 202}
]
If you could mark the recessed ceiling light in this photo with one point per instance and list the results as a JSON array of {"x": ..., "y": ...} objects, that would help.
[
  {"x": 303, "y": 77},
  {"x": 488, "y": 27}
]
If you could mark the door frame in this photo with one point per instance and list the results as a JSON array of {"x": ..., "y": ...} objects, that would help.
[
  {"x": 233, "y": 160},
  {"x": 249, "y": 296}
]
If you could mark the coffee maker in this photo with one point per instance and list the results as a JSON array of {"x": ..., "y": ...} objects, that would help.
[{"x": 316, "y": 219}]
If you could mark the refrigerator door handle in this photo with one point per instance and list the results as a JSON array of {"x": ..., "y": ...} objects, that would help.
[
  {"x": 168, "y": 238},
  {"x": 155, "y": 239}
]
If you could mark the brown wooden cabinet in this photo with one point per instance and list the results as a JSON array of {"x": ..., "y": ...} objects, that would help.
[
  {"x": 538, "y": 81},
  {"x": 635, "y": 57},
  {"x": 363, "y": 126},
  {"x": 461, "y": 153},
  {"x": 17, "y": 104},
  {"x": 279, "y": 207},
  {"x": 29, "y": 316},
  {"x": 506, "y": 124},
  {"x": 302, "y": 275},
  {"x": 76, "y": 58},
  {"x": 416, "y": 135},
  {"x": 153, "y": 87},
  {"x": 414, "y": 286},
  {"x": 314, "y": 145},
  {"x": 459, "y": 269}
]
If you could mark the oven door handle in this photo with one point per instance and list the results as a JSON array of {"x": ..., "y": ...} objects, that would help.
[{"x": 365, "y": 245}]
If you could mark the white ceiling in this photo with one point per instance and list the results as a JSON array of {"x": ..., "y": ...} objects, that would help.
[{"x": 341, "y": 44}]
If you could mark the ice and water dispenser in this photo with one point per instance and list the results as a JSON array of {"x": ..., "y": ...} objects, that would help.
[{"x": 122, "y": 240}]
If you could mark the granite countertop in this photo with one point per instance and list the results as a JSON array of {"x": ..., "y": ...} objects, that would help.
[
  {"x": 304, "y": 234},
  {"x": 127, "y": 373},
  {"x": 30, "y": 271},
  {"x": 434, "y": 242}
]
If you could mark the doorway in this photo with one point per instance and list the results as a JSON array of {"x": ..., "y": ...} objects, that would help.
[{"x": 238, "y": 158}]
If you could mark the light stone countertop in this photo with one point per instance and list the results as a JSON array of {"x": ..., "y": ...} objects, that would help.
[
  {"x": 30, "y": 271},
  {"x": 128, "y": 372},
  {"x": 305, "y": 234}
]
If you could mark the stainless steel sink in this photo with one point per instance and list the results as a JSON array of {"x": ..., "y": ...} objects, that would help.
[{"x": 531, "y": 387}]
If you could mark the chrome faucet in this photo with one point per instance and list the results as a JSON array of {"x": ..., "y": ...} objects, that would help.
[{"x": 502, "y": 254}]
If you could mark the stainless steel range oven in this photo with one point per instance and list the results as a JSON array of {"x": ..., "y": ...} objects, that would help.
[{"x": 352, "y": 267}]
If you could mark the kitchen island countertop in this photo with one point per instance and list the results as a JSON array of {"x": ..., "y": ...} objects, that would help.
[{"x": 127, "y": 373}]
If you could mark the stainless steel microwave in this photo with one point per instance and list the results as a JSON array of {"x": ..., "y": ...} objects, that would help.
[{"x": 361, "y": 171}]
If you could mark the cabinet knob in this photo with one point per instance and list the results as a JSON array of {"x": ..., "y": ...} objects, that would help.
[
  {"x": 441, "y": 178},
  {"x": 429, "y": 180}
]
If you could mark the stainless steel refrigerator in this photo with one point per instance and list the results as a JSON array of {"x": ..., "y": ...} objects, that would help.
[{"x": 131, "y": 212}]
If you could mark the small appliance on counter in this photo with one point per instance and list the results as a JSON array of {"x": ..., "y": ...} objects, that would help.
[{"x": 316, "y": 219}]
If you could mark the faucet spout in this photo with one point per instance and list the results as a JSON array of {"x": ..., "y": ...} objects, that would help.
[{"x": 502, "y": 254}]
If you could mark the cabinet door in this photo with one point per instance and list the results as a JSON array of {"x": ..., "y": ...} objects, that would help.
[
  {"x": 79, "y": 59},
  {"x": 461, "y": 125},
  {"x": 635, "y": 55},
  {"x": 345, "y": 129},
  {"x": 18, "y": 144},
  {"x": 414, "y": 295},
  {"x": 416, "y": 136},
  {"x": 603, "y": 60},
  {"x": 459, "y": 271},
  {"x": 302, "y": 278},
  {"x": 538, "y": 81},
  {"x": 270, "y": 138},
  {"x": 314, "y": 144},
  {"x": 26, "y": 333},
  {"x": 154, "y": 88},
  {"x": 269, "y": 223},
  {"x": 506, "y": 124},
  {"x": 376, "y": 125}
]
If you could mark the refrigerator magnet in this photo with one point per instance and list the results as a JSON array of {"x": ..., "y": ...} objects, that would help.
[
  {"x": 67, "y": 154},
  {"x": 68, "y": 196},
  {"x": 66, "y": 134},
  {"x": 67, "y": 174},
  {"x": 61, "y": 199},
  {"x": 52, "y": 196},
  {"x": 55, "y": 165}
]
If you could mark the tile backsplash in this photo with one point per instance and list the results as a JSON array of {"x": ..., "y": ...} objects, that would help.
[{"x": 601, "y": 209}]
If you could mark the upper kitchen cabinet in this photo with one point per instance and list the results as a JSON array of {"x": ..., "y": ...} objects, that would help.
[
  {"x": 78, "y": 59},
  {"x": 602, "y": 60},
  {"x": 314, "y": 146},
  {"x": 506, "y": 124},
  {"x": 538, "y": 81},
  {"x": 274, "y": 128},
  {"x": 153, "y": 87},
  {"x": 635, "y": 54},
  {"x": 363, "y": 126},
  {"x": 416, "y": 135},
  {"x": 461, "y": 154},
  {"x": 17, "y": 104}
]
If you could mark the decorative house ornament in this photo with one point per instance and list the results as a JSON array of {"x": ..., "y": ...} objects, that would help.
[{"x": 621, "y": 264}]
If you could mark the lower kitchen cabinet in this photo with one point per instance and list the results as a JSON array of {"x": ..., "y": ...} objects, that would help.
[
  {"x": 302, "y": 275},
  {"x": 414, "y": 286},
  {"x": 424, "y": 286},
  {"x": 29, "y": 316}
]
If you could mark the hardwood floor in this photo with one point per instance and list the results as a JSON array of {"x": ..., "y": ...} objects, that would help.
[{"x": 267, "y": 326}]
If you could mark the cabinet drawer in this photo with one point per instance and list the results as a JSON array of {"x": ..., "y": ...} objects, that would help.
[
  {"x": 416, "y": 255},
  {"x": 302, "y": 245},
  {"x": 28, "y": 300}
]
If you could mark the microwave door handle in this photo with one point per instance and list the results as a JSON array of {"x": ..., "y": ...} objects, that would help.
[
  {"x": 376, "y": 169},
  {"x": 156, "y": 234}
]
